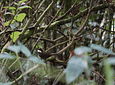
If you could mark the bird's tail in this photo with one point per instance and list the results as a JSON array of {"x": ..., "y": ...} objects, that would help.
[{"x": 54, "y": 53}]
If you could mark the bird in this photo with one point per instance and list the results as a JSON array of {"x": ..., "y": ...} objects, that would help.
[{"x": 44, "y": 55}]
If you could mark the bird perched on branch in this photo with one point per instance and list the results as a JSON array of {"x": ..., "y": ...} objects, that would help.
[{"x": 45, "y": 55}]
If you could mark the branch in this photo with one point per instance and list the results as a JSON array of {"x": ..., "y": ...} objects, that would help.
[
  {"x": 68, "y": 20},
  {"x": 45, "y": 29}
]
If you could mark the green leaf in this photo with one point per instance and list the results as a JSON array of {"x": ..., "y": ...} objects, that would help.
[
  {"x": 21, "y": 1},
  {"x": 74, "y": 68},
  {"x": 7, "y": 23},
  {"x": 8, "y": 13},
  {"x": 16, "y": 3},
  {"x": 12, "y": 8},
  {"x": 36, "y": 59},
  {"x": 8, "y": 83},
  {"x": 24, "y": 49},
  {"x": 14, "y": 35},
  {"x": 81, "y": 50},
  {"x": 24, "y": 7},
  {"x": 111, "y": 60},
  {"x": 102, "y": 49},
  {"x": 94, "y": 16},
  {"x": 6, "y": 56},
  {"x": 20, "y": 17},
  {"x": 89, "y": 60},
  {"x": 108, "y": 73},
  {"x": 14, "y": 48}
]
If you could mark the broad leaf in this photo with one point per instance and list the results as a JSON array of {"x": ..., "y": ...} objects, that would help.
[
  {"x": 14, "y": 48},
  {"x": 20, "y": 17},
  {"x": 111, "y": 60},
  {"x": 8, "y": 83},
  {"x": 89, "y": 61},
  {"x": 102, "y": 49},
  {"x": 74, "y": 68},
  {"x": 6, "y": 56},
  {"x": 24, "y": 49},
  {"x": 36, "y": 59},
  {"x": 81, "y": 50},
  {"x": 14, "y": 35}
]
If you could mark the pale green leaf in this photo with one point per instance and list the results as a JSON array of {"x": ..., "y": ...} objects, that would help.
[
  {"x": 75, "y": 67},
  {"x": 36, "y": 59},
  {"x": 14, "y": 25},
  {"x": 8, "y": 83},
  {"x": 8, "y": 13},
  {"x": 14, "y": 48},
  {"x": 81, "y": 50},
  {"x": 24, "y": 49},
  {"x": 108, "y": 73},
  {"x": 102, "y": 49},
  {"x": 24, "y": 7},
  {"x": 111, "y": 60},
  {"x": 6, "y": 56}
]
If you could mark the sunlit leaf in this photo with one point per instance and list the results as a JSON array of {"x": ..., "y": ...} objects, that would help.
[
  {"x": 24, "y": 49},
  {"x": 21, "y": 1},
  {"x": 20, "y": 17},
  {"x": 14, "y": 35},
  {"x": 102, "y": 49},
  {"x": 16, "y": 3},
  {"x": 14, "y": 48},
  {"x": 36, "y": 59},
  {"x": 75, "y": 67},
  {"x": 24, "y": 7},
  {"x": 12, "y": 8},
  {"x": 8, "y": 13},
  {"x": 6, "y": 56},
  {"x": 81, "y": 50},
  {"x": 7, "y": 23}
]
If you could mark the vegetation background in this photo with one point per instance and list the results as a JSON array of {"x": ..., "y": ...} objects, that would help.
[{"x": 57, "y": 26}]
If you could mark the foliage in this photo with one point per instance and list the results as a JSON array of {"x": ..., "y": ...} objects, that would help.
[{"x": 80, "y": 32}]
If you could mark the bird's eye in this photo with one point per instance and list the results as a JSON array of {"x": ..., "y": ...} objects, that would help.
[{"x": 39, "y": 51}]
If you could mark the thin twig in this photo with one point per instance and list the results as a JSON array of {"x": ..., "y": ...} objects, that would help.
[
  {"x": 45, "y": 30},
  {"x": 99, "y": 75}
]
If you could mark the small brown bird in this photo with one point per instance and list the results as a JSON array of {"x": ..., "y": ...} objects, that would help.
[{"x": 45, "y": 55}]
